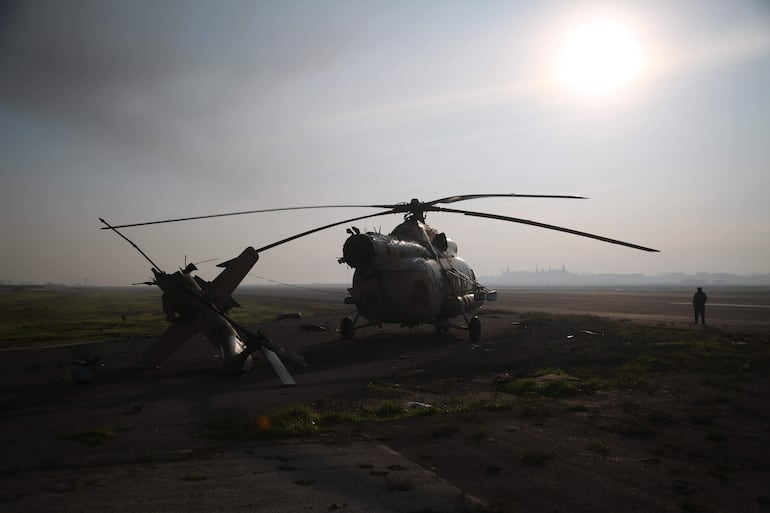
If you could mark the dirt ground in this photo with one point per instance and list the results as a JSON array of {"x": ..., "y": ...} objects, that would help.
[{"x": 692, "y": 435}]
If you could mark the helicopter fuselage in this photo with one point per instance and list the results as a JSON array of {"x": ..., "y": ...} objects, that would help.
[{"x": 411, "y": 276}]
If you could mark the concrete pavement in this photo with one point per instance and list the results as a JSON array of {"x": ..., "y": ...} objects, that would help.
[{"x": 290, "y": 476}]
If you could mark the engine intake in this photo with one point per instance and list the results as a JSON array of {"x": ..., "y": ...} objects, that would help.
[
  {"x": 362, "y": 249},
  {"x": 358, "y": 251}
]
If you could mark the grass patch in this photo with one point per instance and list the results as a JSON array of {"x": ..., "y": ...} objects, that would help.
[
  {"x": 303, "y": 420},
  {"x": 94, "y": 436},
  {"x": 389, "y": 410},
  {"x": 291, "y": 421},
  {"x": 45, "y": 315},
  {"x": 606, "y": 354},
  {"x": 33, "y": 317},
  {"x": 545, "y": 382}
]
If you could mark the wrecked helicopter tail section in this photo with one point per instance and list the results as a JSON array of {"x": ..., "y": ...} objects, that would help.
[
  {"x": 235, "y": 270},
  {"x": 195, "y": 307}
]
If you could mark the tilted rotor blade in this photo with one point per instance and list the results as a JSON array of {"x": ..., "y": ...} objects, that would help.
[
  {"x": 547, "y": 226},
  {"x": 228, "y": 214},
  {"x": 108, "y": 226},
  {"x": 297, "y": 236}
]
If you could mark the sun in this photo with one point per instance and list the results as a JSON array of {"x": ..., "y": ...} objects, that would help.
[{"x": 599, "y": 56}]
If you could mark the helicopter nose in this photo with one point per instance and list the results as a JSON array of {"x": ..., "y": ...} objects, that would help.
[{"x": 358, "y": 251}]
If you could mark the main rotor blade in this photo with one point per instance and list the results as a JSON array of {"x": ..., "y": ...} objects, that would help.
[
  {"x": 297, "y": 236},
  {"x": 547, "y": 226},
  {"x": 414, "y": 207},
  {"x": 463, "y": 197},
  {"x": 228, "y": 214}
]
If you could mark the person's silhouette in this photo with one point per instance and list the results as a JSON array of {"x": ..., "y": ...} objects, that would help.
[{"x": 699, "y": 305}]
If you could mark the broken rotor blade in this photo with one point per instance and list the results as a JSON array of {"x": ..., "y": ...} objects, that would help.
[
  {"x": 283, "y": 352},
  {"x": 278, "y": 366}
]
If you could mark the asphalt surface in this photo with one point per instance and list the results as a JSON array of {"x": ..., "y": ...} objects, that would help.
[
  {"x": 135, "y": 441},
  {"x": 132, "y": 440}
]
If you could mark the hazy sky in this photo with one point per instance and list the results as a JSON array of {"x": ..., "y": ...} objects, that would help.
[{"x": 141, "y": 110}]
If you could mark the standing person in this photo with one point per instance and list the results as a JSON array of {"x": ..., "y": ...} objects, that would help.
[{"x": 699, "y": 305}]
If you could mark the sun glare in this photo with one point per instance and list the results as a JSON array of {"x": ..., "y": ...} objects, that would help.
[{"x": 598, "y": 57}]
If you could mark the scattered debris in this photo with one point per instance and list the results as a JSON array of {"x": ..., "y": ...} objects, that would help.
[
  {"x": 415, "y": 404},
  {"x": 586, "y": 332},
  {"x": 83, "y": 361}
]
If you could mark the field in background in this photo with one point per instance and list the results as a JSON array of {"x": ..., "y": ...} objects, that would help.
[{"x": 61, "y": 316}]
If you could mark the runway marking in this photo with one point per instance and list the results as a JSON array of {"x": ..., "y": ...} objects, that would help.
[{"x": 735, "y": 305}]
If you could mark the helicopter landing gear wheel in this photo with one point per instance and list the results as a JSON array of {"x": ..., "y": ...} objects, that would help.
[
  {"x": 474, "y": 328},
  {"x": 346, "y": 328}
]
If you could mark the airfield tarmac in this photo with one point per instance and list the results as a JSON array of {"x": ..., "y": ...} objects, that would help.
[{"x": 137, "y": 440}]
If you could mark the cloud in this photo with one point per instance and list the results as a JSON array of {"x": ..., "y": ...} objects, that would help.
[{"x": 152, "y": 74}]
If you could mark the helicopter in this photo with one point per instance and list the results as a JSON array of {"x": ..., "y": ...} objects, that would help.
[
  {"x": 413, "y": 275},
  {"x": 196, "y": 307}
]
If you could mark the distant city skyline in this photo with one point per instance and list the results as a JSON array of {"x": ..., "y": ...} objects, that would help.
[
  {"x": 563, "y": 276},
  {"x": 539, "y": 277}
]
